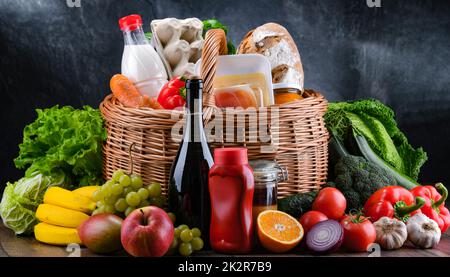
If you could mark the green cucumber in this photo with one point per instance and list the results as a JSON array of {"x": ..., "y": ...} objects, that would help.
[
  {"x": 336, "y": 151},
  {"x": 370, "y": 155}
]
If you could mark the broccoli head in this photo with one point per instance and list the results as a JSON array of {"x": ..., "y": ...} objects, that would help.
[{"x": 358, "y": 179}]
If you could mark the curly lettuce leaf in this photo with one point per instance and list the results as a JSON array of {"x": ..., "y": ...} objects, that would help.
[
  {"x": 371, "y": 107},
  {"x": 413, "y": 159},
  {"x": 376, "y": 122},
  {"x": 378, "y": 137},
  {"x": 64, "y": 139}
]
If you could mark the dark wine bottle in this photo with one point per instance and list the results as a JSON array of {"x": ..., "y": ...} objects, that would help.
[{"x": 188, "y": 184}]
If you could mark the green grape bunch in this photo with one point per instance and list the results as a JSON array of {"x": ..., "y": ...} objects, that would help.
[
  {"x": 124, "y": 193},
  {"x": 185, "y": 240}
]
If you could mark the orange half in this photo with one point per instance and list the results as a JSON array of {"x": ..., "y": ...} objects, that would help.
[{"x": 278, "y": 231}]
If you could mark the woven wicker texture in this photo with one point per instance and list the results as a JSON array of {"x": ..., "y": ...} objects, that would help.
[
  {"x": 149, "y": 130},
  {"x": 296, "y": 133},
  {"x": 215, "y": 44}
]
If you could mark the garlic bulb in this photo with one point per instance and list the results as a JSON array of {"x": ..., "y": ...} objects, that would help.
[
  {"x": 391, "y": 233},
  {"x": 423, "y": 232}
]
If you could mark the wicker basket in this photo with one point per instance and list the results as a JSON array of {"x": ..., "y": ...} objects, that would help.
[
  {"x": 149, "y": 130},
  {"x": 297, "y": 136},
  {"x": 296, "y": 130}
]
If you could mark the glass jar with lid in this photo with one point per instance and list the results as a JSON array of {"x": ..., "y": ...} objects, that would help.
[
  {"x": 267, "y": 174},
  {"x": 286, "y": 93}
]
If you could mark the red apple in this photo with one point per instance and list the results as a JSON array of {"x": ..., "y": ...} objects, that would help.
[
  {"x": 147, "y": 232},
  {"x": 101, "y": 233}
]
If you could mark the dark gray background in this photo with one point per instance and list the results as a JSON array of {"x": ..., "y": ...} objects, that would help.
[{"x": 400, "y": 53}]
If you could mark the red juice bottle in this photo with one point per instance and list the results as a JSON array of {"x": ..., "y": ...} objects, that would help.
[{"x": 231, "y": 188}]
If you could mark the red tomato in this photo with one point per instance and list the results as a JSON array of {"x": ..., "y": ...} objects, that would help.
[
  {"x": 331, "y": 202},
  {"x": 310, "y": 219},
  {"x": 359, "y": 233}
]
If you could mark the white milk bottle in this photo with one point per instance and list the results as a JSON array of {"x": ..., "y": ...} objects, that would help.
[{"x": 140, "y": 62}]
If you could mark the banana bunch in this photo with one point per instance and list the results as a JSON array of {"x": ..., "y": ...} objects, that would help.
[{"x": 62, "y": 212}]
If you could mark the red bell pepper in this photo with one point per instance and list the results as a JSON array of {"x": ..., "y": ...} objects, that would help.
[
  {"x": 392, "y": 201},
  {"x": 173, "y": 93},
  {"x": 434, "y": 206}
]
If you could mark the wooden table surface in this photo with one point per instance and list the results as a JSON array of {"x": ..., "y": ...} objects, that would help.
[{"x": 20, "y": 246}]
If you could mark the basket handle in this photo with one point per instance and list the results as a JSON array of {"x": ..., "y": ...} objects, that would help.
[{"x": 215, "y": 44}]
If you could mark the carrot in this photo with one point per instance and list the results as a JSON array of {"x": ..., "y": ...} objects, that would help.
[
  {"x": 151, "y": 103},
  {"x": 125, "y": 91}
]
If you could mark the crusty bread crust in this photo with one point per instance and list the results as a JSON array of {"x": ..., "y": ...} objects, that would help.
[
  {"x": 246, "y": 45},
  {"x": 270, "y": 40}
]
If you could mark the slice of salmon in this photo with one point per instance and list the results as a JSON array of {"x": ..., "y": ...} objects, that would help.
[
  {"x": 127, "y": 94},
  {"x": 235, "y": 98}
]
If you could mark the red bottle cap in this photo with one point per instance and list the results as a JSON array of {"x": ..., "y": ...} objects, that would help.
[
  {"x": 130, "y": 22},
  {"x": 230, "y": 156}
]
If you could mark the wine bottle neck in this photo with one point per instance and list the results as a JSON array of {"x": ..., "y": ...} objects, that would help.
[
  {"x": 194, "y": 102},
  {"x": 194, "y": 119}
]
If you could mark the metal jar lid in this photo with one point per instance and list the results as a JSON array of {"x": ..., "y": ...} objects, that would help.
[
  {"x": 287, "y": 85},
  {"x": 268, "y": 171}
]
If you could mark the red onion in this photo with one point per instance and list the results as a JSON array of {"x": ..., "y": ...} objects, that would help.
[{"x": 325, "y": 236}]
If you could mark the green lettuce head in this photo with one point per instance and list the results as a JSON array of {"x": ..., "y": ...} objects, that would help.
[
  {"x": 64, "y": 139},
  {"x": 21, "y": 199}
]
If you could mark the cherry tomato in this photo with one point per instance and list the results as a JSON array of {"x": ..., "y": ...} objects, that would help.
[
  {"x": 311, "y": 218},
  {"x": 359, "y": 233},
  {"x": 331, "y": 202}
]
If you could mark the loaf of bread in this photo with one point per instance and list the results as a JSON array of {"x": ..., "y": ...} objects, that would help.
[{"x": 274, "y": 41}]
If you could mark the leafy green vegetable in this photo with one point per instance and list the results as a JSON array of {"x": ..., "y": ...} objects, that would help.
[
  {"x": 149, "y": 36},
  {"x": 62, "y": 147},
  {"x": 358, "y": 179},
  {"x": 21, "y": 199},
  {"x": 376, "y": 122},
  {"x": 215, "y": 24},
  {"x": 360, "y": 146},
  {"x": 297, "y": 204},
  {"x": 64, "y": 139},
  {"x": 231, "y": 48}
]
